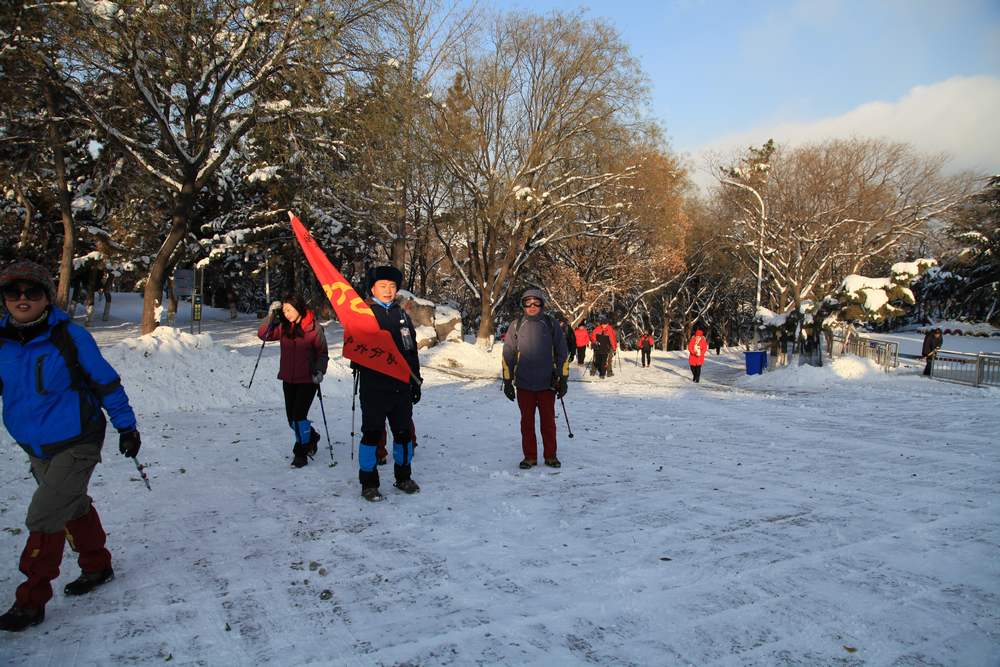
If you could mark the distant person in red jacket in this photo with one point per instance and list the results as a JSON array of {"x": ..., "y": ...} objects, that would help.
[
  {"x": 645, "y": 345},
  {"x": 697, "y": 347},
  {"x": 582, "y": 338},
  {"x": 304, "y": 358}
]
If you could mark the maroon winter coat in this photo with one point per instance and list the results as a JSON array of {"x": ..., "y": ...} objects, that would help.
[{"x": 303, "y": 348}]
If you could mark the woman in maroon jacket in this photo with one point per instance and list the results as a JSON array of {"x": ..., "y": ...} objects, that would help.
[{"x": 304, "y": 358}]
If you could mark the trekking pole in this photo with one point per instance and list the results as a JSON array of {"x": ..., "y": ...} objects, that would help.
[
  {"x": 568, "y": 427},
  {"x": 260, "y": 352},
  {"x": 353, "y": 399},
  {"x": 142, "y": 472},
  {"x": 322, "y": 410}
]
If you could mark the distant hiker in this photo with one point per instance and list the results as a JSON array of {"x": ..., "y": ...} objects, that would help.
[
  {"x": 384, "y": 397},
  {"x": 645, "y": 345},
  {"x": 536, "y": 363},
  {"x": 932, "y": 343},
  {"x": 304, "y": 358},
  {"x": 697, "y": 347},
  {"x": 231, "y": 301},
  {"x": 568, "y": 333},
  {"x": 717, "y": 342},
  {"x": 581, "y": 338},
  {"x": 605, "y": 342},
  {"x": 55, "y": 384}
]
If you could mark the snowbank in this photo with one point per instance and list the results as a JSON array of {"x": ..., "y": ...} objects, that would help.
[
  {"x": 464, "y": 359},
  {"x": 844, "y": 370},
  {"x": 171, "y": 369}
]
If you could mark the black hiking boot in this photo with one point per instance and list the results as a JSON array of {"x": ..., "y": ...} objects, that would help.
[
  {"x": 88, "y": 581},
  {"x": 527, "y": 463},
  {"x": 371, "y": 494},
  {"x": 407, "y": 486},
  {"x": 553, "y": 463},
  {"x": 313, "y": 444},
  {"x": 20, "y": 618}
]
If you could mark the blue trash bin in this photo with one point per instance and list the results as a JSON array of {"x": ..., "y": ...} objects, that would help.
[{"x": 756, "y": 362}]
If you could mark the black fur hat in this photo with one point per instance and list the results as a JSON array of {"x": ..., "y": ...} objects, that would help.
[{"x": 385, "y": 273}]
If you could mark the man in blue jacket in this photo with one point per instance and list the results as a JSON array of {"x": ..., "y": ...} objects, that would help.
[
  {"x": 384, "y": 397},
  {"x": 54, "y": 384}
]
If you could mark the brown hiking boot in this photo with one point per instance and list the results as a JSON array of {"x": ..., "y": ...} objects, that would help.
[
  {"x": 528, "y": 463},
  {"x": 553, "y": 463}
]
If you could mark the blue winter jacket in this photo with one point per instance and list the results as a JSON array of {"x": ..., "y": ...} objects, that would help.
[{"x": 41, "y": 410}]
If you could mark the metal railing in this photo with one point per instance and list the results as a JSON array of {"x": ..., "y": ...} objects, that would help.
[
  {"x": 967, "y": 368},
  {"x": 883, "y": 353}
]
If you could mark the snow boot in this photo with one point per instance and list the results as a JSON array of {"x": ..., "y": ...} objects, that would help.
[
  {"x": 86, "y": 537},
  {"x": 21, "y": 618},
  {"x": 88, "y": 581},
  {"x": 553, "y": 463},
  {"x": 527, "y": 463},
  {"x": 407, "y": 486},
  {"x": 372, "y": 494},
  {"x": 299, "y": 459}
]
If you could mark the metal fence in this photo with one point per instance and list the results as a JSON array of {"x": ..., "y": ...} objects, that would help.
[
  {"x": 966, "y": 367},
  {"x": 883, "y": 353}
]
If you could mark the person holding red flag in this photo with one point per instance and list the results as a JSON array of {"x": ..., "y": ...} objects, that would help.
[{"x": 385, "y": 397}]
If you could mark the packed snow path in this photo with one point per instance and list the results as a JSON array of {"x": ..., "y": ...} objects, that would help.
[{"x": 711, "y": 524}]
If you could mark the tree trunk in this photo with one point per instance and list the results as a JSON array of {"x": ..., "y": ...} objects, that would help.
[
  {"x": 29, "y": 215},
  {"x": 65, "y": 205},
  {"x": 485, "y": 335},
  {"x": 154, "y": 283}
]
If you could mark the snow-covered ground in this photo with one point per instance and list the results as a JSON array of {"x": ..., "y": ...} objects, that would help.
[{"x": 806, "y": 517}]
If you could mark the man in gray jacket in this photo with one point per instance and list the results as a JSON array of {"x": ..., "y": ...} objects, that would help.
[{"x": 536, "y": 362}]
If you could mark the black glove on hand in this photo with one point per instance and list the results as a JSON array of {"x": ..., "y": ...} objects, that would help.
[
  {"x": 562, "y": 385},
  {"x": 414, "y": 392},
  {"x": 128, "y": 443},
  {"x": 508, "y": 389}
]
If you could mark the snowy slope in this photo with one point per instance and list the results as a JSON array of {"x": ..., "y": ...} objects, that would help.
[{"x": 846, "y": 518}]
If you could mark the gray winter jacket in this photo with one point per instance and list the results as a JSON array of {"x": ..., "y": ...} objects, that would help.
[{"x": 528, "y": 353}]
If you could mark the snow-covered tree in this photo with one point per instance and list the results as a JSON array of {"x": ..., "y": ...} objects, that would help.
[{"x": 192, "y": 79}]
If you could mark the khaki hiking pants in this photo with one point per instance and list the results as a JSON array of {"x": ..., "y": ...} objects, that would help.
[{"x": 61, "y": 495}]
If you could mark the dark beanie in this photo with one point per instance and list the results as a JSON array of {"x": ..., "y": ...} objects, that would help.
[
  {"x": 28, "y": 272},
  {"x": 386, "y": 273}
]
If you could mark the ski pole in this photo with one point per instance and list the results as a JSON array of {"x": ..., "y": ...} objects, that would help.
[
  {"x": 322, "y": 409},
  {"x": 568, "y": 427},
  {"x": 142, "y": 472},
  {"x": 353, "y": 400},
  {"x": 260, "y": 352}
]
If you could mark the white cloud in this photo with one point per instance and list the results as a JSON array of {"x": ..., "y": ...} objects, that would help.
[{"x": 957, "y": 116}]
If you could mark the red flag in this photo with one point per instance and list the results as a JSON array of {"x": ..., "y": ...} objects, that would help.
[{"x": 364, "y": 341}]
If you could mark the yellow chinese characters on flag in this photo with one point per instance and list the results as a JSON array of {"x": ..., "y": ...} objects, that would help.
[{"x": 365, "y": 343}]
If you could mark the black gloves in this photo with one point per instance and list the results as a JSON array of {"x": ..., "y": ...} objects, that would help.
[
  {"x": 562, "y": 385},
  {"x": 128, "y": 443},
  {"x": 508, "y": 389},
  {"x": 414, "y": 392}
]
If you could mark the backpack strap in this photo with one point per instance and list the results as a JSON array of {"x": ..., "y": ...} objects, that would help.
[{"x": 61, "y": 338}]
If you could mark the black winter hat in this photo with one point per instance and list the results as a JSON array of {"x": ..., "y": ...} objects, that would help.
[
  {"x": 385, "y": 273},
  {"x": 28, "y": 272}
]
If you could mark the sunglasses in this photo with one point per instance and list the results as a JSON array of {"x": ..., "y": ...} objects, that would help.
[
  {"x": 531, "y": 303},
  {"x": 33, "y": 293}
]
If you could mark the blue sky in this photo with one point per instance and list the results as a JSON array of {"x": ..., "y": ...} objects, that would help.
[{"x": 719, "y": 69}]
